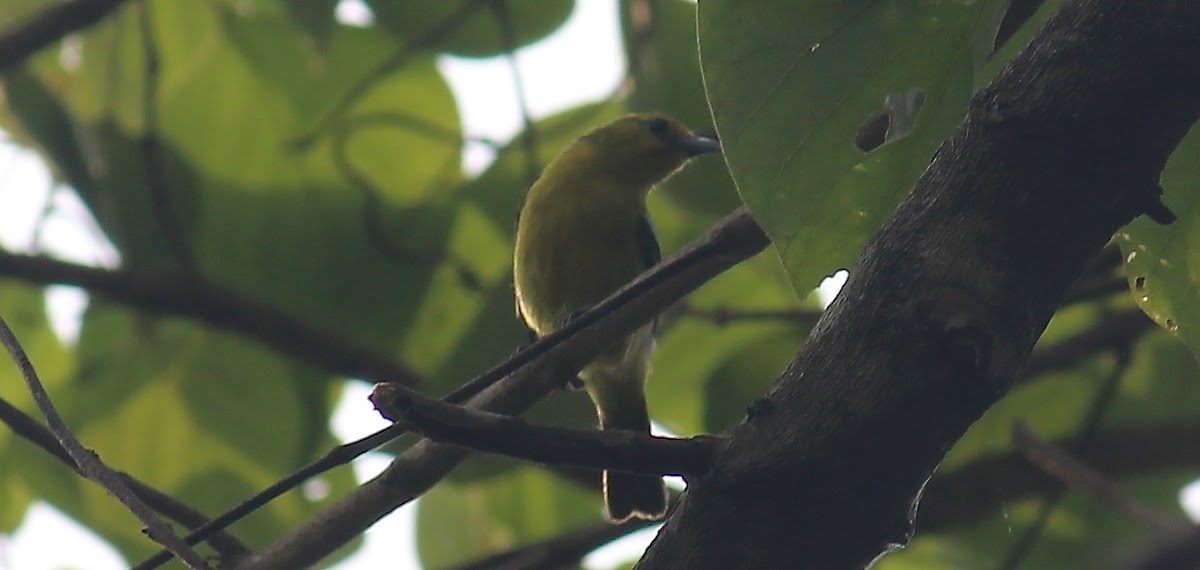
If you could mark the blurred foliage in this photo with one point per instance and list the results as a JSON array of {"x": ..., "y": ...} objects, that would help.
[{"x": 316, "y": 167}]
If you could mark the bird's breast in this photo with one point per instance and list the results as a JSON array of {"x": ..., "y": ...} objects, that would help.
[{"x": 571, "y": 256}]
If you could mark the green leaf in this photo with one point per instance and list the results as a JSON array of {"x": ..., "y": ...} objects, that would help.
[
  {"x": 691, "y": 350},
  {"x": 747, "y": 374},
  {"x": 790, "y": 84},
  {"x": 1160, "y": 260},
  {"x": 457, "y": 523},
  {"x": 43, "y": 121},
  {"x": 315, "y": 17},
  {"x": 470, "y": 27},
  {"x": 1159, "y": 383}
]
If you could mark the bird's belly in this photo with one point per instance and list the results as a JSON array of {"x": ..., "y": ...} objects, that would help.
[{"x": 570, "y": 274}]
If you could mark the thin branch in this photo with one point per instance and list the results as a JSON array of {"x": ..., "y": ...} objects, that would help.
[
  {"x": 364, "y": 85},
  {"x": 1112, "y": 331},
  {"x": 50, "y": 26},
  {"x": 621, "y": 450},
  {"x": 734, "y": 239},
  {"x": 1087, "y": 431},
  {"x": 528, "y": 132},
  {"x": 25, "y": 427},
  {"x": 979, "y": 489},
  {"x": 372, "y": 208},
  {"x": 338, "y": 456},
  {"x": 90, "y": 464},
  {"x": 1077, "y": 474},
  {"x": 214, "y": 305},
  {"x": 161, "y": 192}
]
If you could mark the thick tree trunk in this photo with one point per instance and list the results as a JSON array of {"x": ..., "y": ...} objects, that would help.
[{"x": 944, "y": 305}]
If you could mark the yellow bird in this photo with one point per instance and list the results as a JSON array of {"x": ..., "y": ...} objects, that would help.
[{"x": 584, "y": 232}]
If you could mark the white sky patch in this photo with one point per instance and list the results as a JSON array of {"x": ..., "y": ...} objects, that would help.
[
  {"x": 24, "y": 188},
  {"x": 26, "y": 550},
  {"x": 578, "y": 63},
  {"x": 620, "y": 551},
  {"x": 1189, "y": 499},
  {"x": 354, "y": 13},
  {"x": 831, "y": 286},
  {"x": 394, "y": 537}
]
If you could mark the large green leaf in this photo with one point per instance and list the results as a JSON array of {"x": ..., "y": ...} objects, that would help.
[
  {"x": 1162, "y": 261},
  {"x": 470, "y": 27},
  {"x": 790, "y": 83},
  {"x": 697, "y": 358},
  {"x": 665, "y": 67}
]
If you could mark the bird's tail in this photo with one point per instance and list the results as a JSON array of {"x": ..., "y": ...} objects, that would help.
[{"x": 631, "y": 495}]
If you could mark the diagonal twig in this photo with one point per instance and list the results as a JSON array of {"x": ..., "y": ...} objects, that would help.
[
  {"x": 166, "y": 214},
  {"x": 90, "y": 464},
  {"x": 27, "y": 428},
  {"x": 218, "y": 306},
  {"x": 1075, "y": 473},
  {"x": 1091, "y": 422}
]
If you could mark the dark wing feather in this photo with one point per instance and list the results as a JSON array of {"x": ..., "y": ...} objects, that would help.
[
  {"x": 649, "y": 249},
  {"x": 647, "y": 242}
]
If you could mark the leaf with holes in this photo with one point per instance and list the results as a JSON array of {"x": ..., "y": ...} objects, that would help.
[
  {"x": 790, "y": 84},
  {"x": 1163, "y": 262}
]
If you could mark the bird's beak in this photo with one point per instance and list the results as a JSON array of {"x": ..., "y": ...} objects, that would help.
[{"x": 693, "y": 145}]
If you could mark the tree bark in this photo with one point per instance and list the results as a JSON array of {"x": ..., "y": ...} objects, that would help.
[{"x": 946, "y": 302}]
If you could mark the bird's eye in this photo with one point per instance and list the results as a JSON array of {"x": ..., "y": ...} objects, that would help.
[{"x": 659, "y": 126}]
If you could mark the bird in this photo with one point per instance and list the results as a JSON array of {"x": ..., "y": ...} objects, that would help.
[{"x": 583, "y": 232}]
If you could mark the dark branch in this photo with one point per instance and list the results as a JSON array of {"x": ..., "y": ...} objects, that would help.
[
  {"x": 572, "y": 447},
  {"x": 217, "y": 306},
  {"x": 50, "y": 26},
  {"x": 942, "y": 308}
]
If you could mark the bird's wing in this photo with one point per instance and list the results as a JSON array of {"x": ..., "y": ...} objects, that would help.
[{"x": 647, "y": 242}]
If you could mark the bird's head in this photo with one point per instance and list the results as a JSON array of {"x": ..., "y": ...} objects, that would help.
[{"x": 639, "y": 150}]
